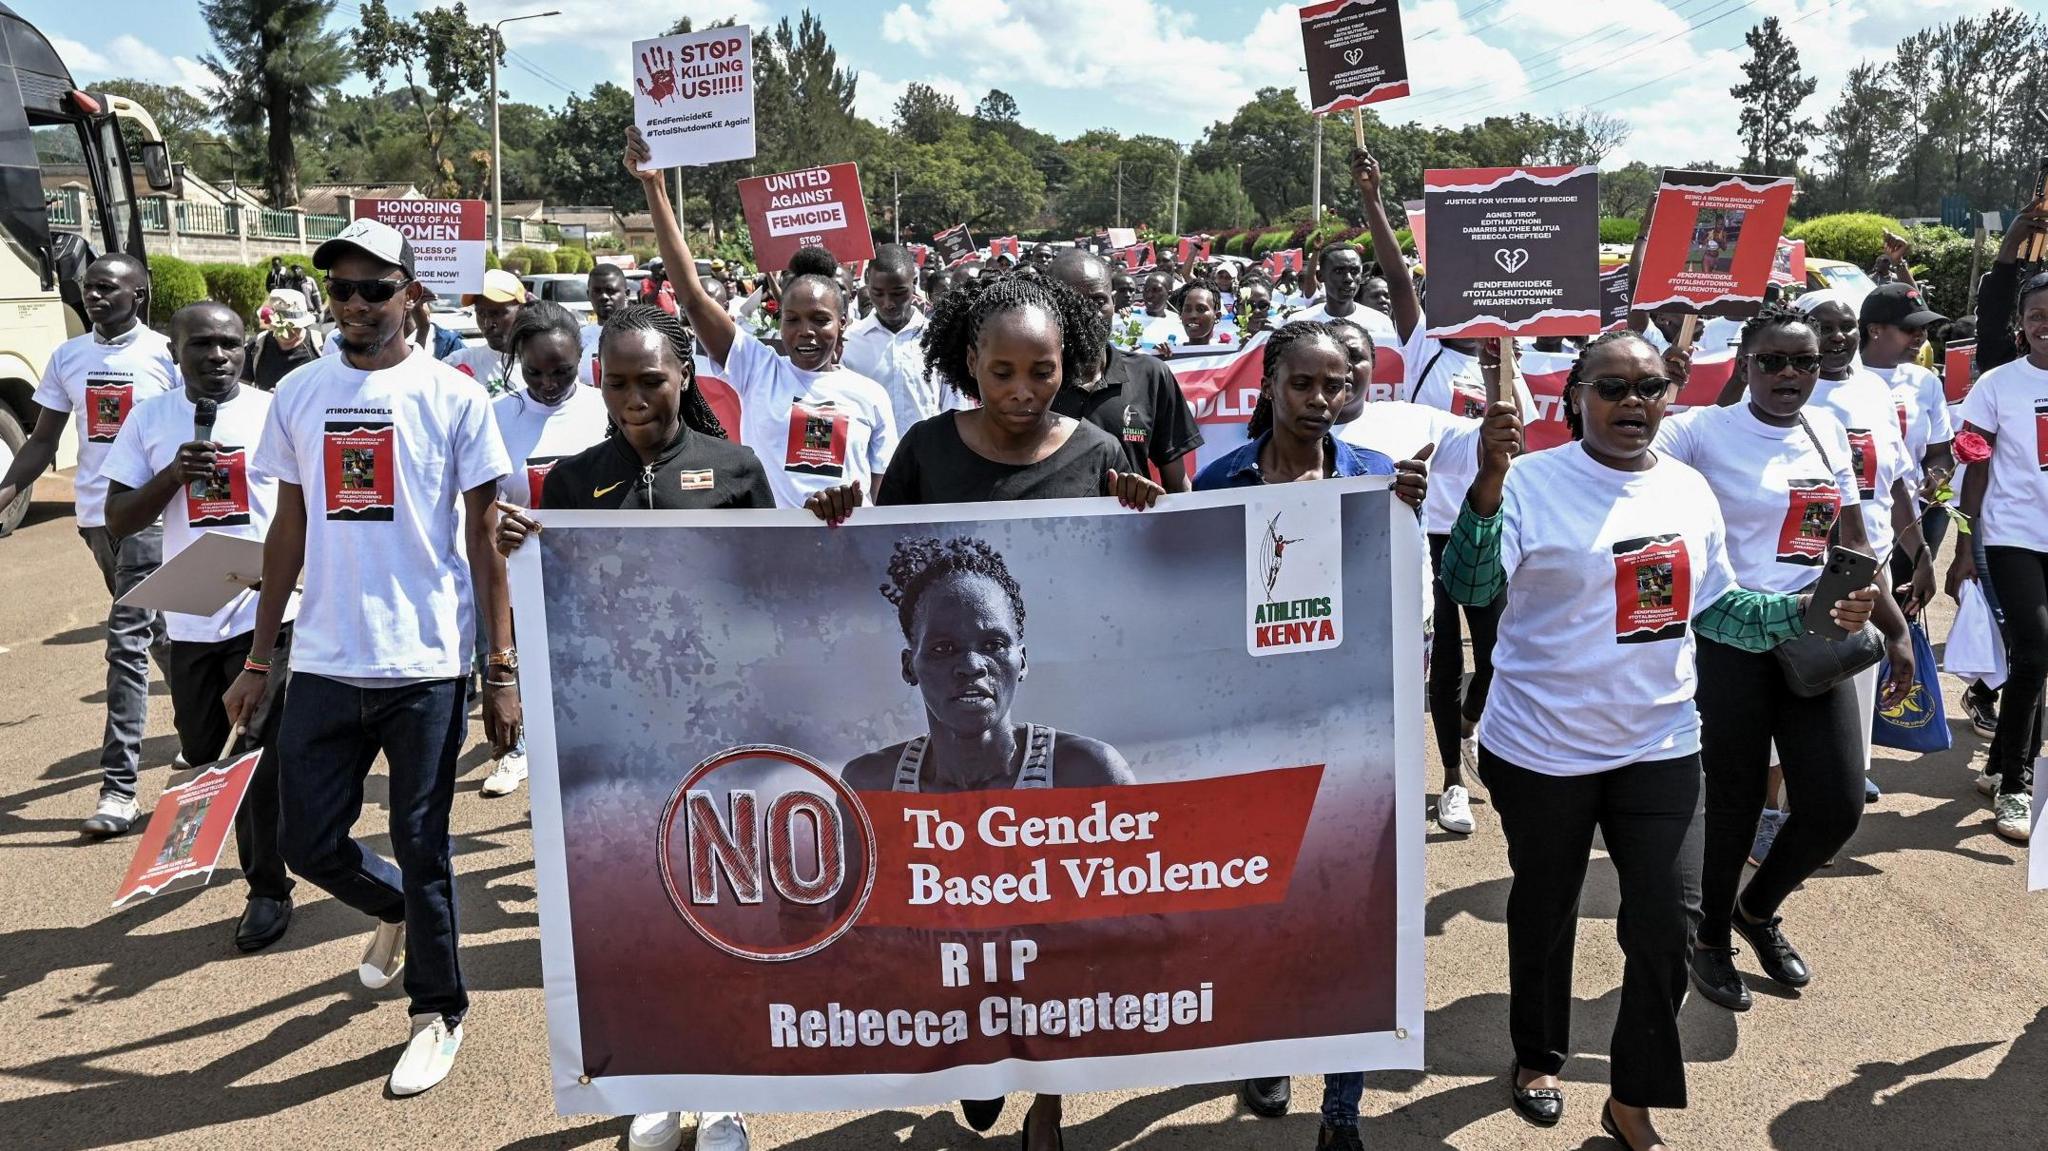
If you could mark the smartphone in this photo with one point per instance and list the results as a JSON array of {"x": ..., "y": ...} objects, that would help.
[{"x": 1846, "y": 572}]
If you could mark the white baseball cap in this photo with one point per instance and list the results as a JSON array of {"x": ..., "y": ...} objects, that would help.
[{"x": 373, "y": 238}]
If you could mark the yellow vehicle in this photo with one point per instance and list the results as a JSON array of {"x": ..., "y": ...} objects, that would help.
[
  {"x": 1840, "y": 275},
  {"x": 67, "y": 196}
]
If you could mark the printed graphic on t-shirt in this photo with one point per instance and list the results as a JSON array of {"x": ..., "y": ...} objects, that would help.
[
  {"x": 1136, "y": 430},
  {"x": 108, "y": 400},
  {"x": 2041, "y": 433},
  {"x": 221, "y": 500},
  {"x": 362, "y": 469},
  {"x": 1467, "y": 401},
  {"x": 1810, "y": 513},
  {"x": 1902, "y": 418},
  {"x": 1652, "y": 589},
  {"x": 817, "y": 439},
  {"x": 1863, "y": 460},
  {"x": 537, "y": 468}
]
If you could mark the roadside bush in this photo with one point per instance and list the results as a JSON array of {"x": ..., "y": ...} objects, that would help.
[
  {"x": 1271, "y": 240},
  {"x": 237, "y": 286},
  {"x": 491, "y": 259},
  {"x": 1853, "y": 236},
  {"x": 173, "y": 283},
  {"x": 1619, "y": 230},
  {"x": 1941, "y": 266}
]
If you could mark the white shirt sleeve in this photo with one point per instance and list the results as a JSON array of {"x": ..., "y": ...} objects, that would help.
[
  {"x": 479, "y": 451},
  {"x": 1941, "y": 426},
  {"x": 749, "y": 364},
  {"x": 1980, "y": 407},
  {"x": 276, "y": 455},
  {"x": 50, "y": 391},
  {"x": 127, "y": 463},
  {"x": 1718, "y": 575}
]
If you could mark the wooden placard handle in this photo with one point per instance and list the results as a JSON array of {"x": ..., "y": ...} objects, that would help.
[
  {"x": 1501, "y": 383},
  {"x": 1358, "y": 129},
  {"x": 1686, "y": 330}
]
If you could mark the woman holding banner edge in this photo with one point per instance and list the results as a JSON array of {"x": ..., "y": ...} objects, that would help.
[{"x": 1610, "y": 556}]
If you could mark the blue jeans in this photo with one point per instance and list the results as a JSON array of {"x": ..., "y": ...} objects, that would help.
[
  {"x": 332, "y": 732},
  {"x": 133, "y": 635},
  {"x": 1341, "y": 1093}
]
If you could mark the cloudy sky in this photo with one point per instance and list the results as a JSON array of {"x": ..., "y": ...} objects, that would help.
[{"x": 1165, "y": 67}]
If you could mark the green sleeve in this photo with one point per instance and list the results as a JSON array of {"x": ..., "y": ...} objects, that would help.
[
  {"x": 1471, "y": 570},
  {"x": 1754, "y": 621}
]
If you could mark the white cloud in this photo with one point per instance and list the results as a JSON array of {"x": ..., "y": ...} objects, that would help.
[{"x": 127, "y": 57}]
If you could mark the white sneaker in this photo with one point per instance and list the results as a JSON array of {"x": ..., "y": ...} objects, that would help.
[
  {"x": 429, "y": 1057},
  {"x": 1987, "y": 785},
  {"x": 656, "y": 1131},
  {"x": 507, "y": 776},
  {"x": 2014, "y": 817},
  {"x": 384, "y": 957},
  {"x": 722, "y": 1131},
  {"x": 1454, "y": 810},
  {"x": 1468, "y": 755},
  {"x": 113, "y": 816}
]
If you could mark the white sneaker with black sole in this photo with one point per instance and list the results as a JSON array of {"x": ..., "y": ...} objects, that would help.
[
  {"x": 429, "y": 1057},
  {"x": 507, "y": 776},
  {"x": 384, "y": 958}
]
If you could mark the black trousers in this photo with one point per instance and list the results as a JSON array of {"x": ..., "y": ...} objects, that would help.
[
  {"x": 1447, "y": 658},
  {"x": 1641, "y": 812},
  {"x": 200, "y": 675},
  {"x": 2021, "y": 578},
  {"x": 1745, "y": 705}
]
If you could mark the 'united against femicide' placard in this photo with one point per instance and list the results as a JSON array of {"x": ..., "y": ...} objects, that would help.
[
  {"x": 817, "y": 207},
  {"x": 693, "y": 97}
]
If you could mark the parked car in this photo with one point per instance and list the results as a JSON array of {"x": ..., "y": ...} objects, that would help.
[{"x": 572, "y": 291}]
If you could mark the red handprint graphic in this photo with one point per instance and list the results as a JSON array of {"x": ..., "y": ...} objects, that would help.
[{"x": 660, "y": 81}]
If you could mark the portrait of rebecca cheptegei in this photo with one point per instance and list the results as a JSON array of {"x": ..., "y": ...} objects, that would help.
[{"x": 962, "y": 616}]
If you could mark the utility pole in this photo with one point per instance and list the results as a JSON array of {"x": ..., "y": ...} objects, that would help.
[
  {"x": 1119, "y": 193},
  {"x": 497, "y": 152},
  {"x": 679, "y": 203},
  {"x": 896, "y": 202},
  {"x": 1176, "y": 191},
  {"x": 1315, "y": 196}
]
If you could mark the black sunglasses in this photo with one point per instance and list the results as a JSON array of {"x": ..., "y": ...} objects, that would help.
[
  {"x": 1613, "y": 388},
  {"x": 372, "y": 291},
  {"x": 1774, "y": 362}
]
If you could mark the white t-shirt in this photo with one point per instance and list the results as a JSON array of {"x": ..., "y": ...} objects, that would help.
[
  {"x": 1159, "y": 330},
  {"x": 813, "y": 430},
  {"x": 383, "y": 459},
  {"x": 1922, "y": 405},
  {"x": 1606, "y": 570},
  {"x": 1779, "y": 499},
  {"x": 535, "y": 436},
  {"x": 1713, "y": 336},
  {"x": 895, "y": 360},
  {"x": 100, "y": 382},
  {"x": 496, "y": 371},
  {"x": 1441, "y": 377},
  {"x": 1877, "y": 451},
  {"x": 2011, "y": 403},
  {"x": 239, "y": 501},
  {"x": 590, "y": 334},
  {"x": 1365, "y": 316},
  {"x": 1399, "y": 429}
]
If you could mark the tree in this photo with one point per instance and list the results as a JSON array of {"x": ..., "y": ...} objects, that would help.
[
  {"x": 445, "y": 60},
  {"x": 585, "y": 147},
  {"x": 1861, "y": 136},
  {"x": 276, "y": 64},
  {"x": 998, "y": 109},
  {"x": 1773, "y": 87},
  {"x": 924, "y": 114},
  {"x": 1627, "y": 191},
  {"x": 1587, "y": 137}
]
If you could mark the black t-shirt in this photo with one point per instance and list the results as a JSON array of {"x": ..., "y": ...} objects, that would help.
[
  {"x": 933, "y": 465},
  {"x": 695, "y": 473},
  {"x": 1141, "y": 406},
  {"x": 267, "y": 362}
]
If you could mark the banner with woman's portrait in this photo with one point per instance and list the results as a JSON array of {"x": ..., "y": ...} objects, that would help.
[{"x": 949, "y": 802}]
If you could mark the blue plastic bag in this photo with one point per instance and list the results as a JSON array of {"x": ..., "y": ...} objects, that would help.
[{"x": 1920, "y": 721}]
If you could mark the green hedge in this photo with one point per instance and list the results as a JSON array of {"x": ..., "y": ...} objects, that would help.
[
  {"x": 491, "y": 259},
  {"x": 173, "y": 283},
  {"x": 1941, "y": 266},
  {"x": 1619, "y": 230},
  {"x": 1272, "y": 240},
  {"x": 239, "y": 287},
  {"x": 530, "y": 261},
  {"x": 1857, "y": 237}
]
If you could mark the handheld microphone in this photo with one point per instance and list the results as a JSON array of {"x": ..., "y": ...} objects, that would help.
[{"x": 203, "y": 413}]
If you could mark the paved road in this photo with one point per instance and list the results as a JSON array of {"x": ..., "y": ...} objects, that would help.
[{"x": 1925, "y": 1028}]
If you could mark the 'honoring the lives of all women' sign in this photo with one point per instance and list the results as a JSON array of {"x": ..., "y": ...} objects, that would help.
[
  {"x": 917, "y": 840},
  {"x": 693, "y": 97}
]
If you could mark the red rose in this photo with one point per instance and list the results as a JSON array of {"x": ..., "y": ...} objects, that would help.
[
  {"x": 1223, "y": 338},
  {"x": 770, "y": 307},
  {"x": 1971, "y": 448}
]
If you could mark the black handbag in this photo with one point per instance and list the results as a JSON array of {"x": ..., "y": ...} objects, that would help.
[{"x": 1813, "y": 663}]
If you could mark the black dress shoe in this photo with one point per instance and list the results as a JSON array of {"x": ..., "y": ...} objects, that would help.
[
  {"x": 1024, "y": 1140},
  {"x": 1713, "y": 972},
  {"x": 1267, "y": 1098},
  {"x": 1612, "y": 1128},
  {"x": 981, "y": 1114},
  {"x": 263, "y": 922},
  {"x": 1774, "y": 953},
  {"x": 1543, "y": 1106}
]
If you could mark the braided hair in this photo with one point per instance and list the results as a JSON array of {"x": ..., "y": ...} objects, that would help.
[
  {"x": 2035, "y": 284},
  {"x": 696, "y": 411},
  {"x": 1277, "y": 346},
  {"x": 539, "y": 318},
  {"x": 918, "y": 563},
  {"x": 1573, "y": 418},
  {"x": 1772, "y": 316},
  {"x": 959, "y": 316}
]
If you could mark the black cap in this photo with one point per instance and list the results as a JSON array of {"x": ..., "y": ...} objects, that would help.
[{"x": 1900, "y": 305}]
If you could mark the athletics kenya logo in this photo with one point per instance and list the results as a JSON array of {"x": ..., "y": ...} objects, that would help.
[
  {"x": 1913, "y": 712},
  {"x": 766, "y": 854}
]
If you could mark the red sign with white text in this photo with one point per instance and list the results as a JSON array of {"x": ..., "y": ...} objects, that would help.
[
  {"x": 447, "y": 236},
  {"x": 816, "y": 207},
  {"x": 1713, "y": 243},
  {"x": 183, "y": 842}
]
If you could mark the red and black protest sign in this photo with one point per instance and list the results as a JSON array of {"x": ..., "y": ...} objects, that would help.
[
  {"x": 1516, "y": 252},
  {"x": 220, "y": 499},
  {"x": 1958, "y": 370},
  {"x": 1009, "y": 246},
  {"x": 1547, "y": 372},
  {"x": 1276, "y": 263},
  {"x": 361, "y": 470},
  {"x": 1193, "y": 248},
  {"x": 955, "y": 245},
  {"x": 1788, "y": 266},
  {"x": 815, "y": 207},
  {"x": 1355, "y": 53},
  {"x": 1652, "y": 589},
  {"x": 190, "y": 826},
  {"x": 1614, "y": 296},
  {"x": 1137, "y": 258},
  {"x": 1713, "y": 243}
]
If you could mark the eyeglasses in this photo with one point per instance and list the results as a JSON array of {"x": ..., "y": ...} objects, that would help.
[
  {"x": 1774, "y": 362},
  {"x": 1613, "y": 388},
  {"x": 372, "y": 291}
]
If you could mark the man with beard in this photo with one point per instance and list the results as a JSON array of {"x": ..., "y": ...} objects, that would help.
[
  {"x": 159, "y": 470},
  {"x": 606, "y": 286},
  {"x": 1134, "y": 398},
  {"x": 97, "y": 379},
  {"x": 497, "y": 309},
  {"x": 885, "y": 345}
]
